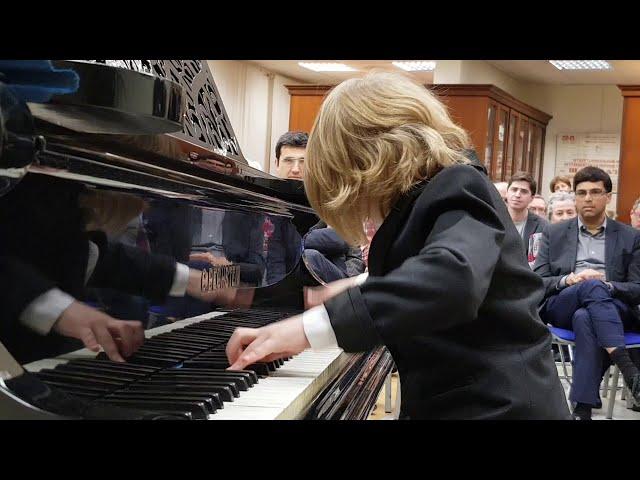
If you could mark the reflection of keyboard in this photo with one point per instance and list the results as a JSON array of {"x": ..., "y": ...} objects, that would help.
[{"x": 181, "y": 369}]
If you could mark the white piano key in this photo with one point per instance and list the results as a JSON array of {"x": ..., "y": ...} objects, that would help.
[{"x": 285, "y": 394}]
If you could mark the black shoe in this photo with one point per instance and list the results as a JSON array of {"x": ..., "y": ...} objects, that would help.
[
  {"x": 581, "y": 411},
  {"x": 634, "y": 388},
  {"x": 580, "y": 416}
]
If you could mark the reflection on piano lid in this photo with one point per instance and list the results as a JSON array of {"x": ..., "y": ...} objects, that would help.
[{"x": 180, "y": 371}]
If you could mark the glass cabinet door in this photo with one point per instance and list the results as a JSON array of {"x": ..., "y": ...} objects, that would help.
[
  {"x": 521, "y": 143},
  {"x": 511, "y": 137},
  {"x": 491, "y": 121},
  {"x": 500, "y": 143},
  {"x": 538, "y": 133}
]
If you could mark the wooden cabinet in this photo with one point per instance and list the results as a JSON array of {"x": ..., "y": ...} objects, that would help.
[
  {"x": 507, "y": 134},
  {"x": 629, "y": 170},
  {"x": 304, "y": 106}
]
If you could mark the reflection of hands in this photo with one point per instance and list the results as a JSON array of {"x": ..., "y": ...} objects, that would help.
[
  {"x": 314, "y": 296},
  {"x": 209, "y": 258},
  {"x": 281, "y": 339},
  {"x": 118, "y": 338}
]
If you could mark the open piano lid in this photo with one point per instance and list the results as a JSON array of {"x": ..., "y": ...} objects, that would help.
[{"x": 89, "y": 136}]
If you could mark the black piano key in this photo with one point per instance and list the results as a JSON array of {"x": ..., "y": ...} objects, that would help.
[
  {"x": 178, "y": 344},
  {"x": 77, "y": 389},
  {"x": 98, "y": 369},
  {"x": 217, "y": 396},
  {"x": 126, "y": 367},
  {"x": 162, "y": 351},
  {"x": 194, "y": 341},
  {"x": 155, "y": 360},
  {"x": 201, "y": 399},
  {"x": 234, "y": 385},
  {"x": 198, "y": 412},
  {"x": 80, "y": 379},
  {"x": 248, "y": 376},
  {"x": 260, "y": 368},
  {"x": 223, "y": 391},
  {"x": 227, "y": 391}
]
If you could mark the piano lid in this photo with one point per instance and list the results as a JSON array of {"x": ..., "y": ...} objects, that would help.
[
  {"x": 107, "y": 134},
  {"x": 115, "y": 100},
  {"x": 206, "y": 122}
]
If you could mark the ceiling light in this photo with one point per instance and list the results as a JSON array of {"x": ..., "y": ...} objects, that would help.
[
  {"x": 581, "y": 64},
  {"x": 416, "y": 66},
  {"x": 327, "y": 67}
]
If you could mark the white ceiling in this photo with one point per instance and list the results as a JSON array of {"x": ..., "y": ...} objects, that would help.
[
  {"x": 290, "y": 68},
  {"x": 541, "y": 71},
  {"x": 534, "y": 71}
]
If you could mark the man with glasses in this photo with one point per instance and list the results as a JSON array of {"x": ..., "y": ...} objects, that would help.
[
  {"x": 290, "y": 152},
  {"x": 590, "y": 267},
  {"x": 520, "y": 192}
]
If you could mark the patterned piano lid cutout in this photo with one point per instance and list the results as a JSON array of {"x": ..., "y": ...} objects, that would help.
[{"x": 206, "y": 122}]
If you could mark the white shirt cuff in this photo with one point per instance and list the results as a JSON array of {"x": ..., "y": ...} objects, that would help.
[
  {"x": 360, "y": 279},
  {"x": 43, "y": 312},
  {"x": 180, "y": 281},
  {"x": 318, "y": 329}
]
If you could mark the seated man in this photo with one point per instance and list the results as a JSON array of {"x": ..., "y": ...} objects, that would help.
[
  {"x": 591, "y": 272},
  {"x": 522, "y": 188},
  {"x": 562, "y": 206},
  {"x": 538, "y": 206},
  {"x": 328, "y": 256}
]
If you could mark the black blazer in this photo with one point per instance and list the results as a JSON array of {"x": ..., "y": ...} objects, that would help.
[
  {"x": 535, "y": 224},
  {"x": 451, "y": 296},
  {"x": 43, "y": 244},
  {"x": 559, "y": 249}
]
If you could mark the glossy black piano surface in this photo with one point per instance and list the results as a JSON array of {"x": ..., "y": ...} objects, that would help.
[{"x": 196, "y": 200}]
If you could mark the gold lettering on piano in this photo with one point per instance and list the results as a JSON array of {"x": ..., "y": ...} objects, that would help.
[{"x": 220, "y": 276}]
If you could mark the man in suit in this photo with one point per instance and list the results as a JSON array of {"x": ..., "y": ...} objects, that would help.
[
  {"x": 329, "y": 256},
  {"x": 520, "y": 193},
  {"x": 590, "y": 267}
]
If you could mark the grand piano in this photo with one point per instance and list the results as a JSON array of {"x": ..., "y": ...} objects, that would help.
[{"x": 157, "y": 131}]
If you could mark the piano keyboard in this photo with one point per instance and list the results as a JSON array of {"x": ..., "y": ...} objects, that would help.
[{"x": 181, "y": 370}]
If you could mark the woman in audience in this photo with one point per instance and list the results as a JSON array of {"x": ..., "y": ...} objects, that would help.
[{"x": 560, "y": 184}]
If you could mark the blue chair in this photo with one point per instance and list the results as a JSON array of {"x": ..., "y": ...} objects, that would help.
[{"x": 567, "y": 337}]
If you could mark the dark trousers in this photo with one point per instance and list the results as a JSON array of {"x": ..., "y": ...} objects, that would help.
[
  {"x": 327, "y": 269},
  {"x": 599, "y": 321}
]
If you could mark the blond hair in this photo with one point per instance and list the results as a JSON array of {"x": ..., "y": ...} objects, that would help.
[
  {"x": 374, "y": 138},
  {"x": 110, "y": 211}
]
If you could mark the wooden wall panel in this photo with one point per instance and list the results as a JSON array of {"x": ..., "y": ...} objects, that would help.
[
  {"x": 305, "y": 104},
  {"x": 470, "y": 114},
  {"x": 629, "y": 173}
]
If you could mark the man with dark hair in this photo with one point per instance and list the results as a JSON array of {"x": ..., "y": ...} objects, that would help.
[
  {"x": 590, "y": 267},
  {"x": 538, "y": 206},
  {"x": 520, "y": 192},
  {"x": 290, "y": 152}
]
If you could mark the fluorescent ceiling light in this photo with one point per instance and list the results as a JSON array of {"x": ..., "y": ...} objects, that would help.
[
  {"x": 421, "y": 66},
  {"x": 327, "y": 67},
  {"x": 581, "y": 64}
]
